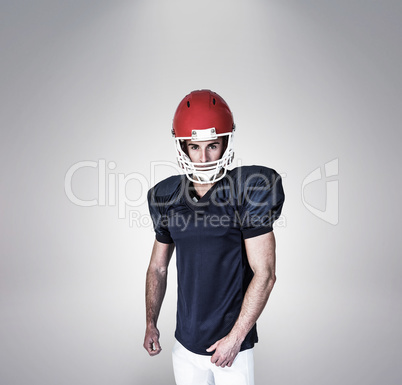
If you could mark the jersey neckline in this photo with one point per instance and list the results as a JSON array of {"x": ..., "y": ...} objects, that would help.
[{"x": 204, "y": 200}]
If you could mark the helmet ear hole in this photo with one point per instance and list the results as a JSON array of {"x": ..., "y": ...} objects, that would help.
[
  {"x": 213, "y": 101},
  {"x": 188, "y": 104}
]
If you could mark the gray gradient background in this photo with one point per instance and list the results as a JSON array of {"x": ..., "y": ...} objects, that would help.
[{"x": 308, "y": 82}]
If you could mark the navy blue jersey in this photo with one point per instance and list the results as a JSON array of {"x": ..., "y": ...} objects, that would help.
[{"x": 212, "y": 268}]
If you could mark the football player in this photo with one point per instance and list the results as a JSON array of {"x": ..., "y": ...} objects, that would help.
[{"x": 220, "y": 222}]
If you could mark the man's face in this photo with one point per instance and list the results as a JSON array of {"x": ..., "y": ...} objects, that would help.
[{"x": 205, "y": 151}]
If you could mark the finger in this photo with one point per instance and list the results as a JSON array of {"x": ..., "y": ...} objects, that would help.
[
  {"x": 154, "y": 352},
  {"x": 147, "y": 345},
  {"x": 212, "y": 347},
  {"x": 219, "y": 361},
  {"x": 156, "y": 345},
  {"x": 214, "y": 358}
]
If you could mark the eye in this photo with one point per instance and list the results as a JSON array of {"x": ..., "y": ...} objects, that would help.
[{"x": 212, "y": 146}]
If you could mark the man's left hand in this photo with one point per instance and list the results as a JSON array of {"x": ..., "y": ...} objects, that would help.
[{"x": 226, "y": 350}]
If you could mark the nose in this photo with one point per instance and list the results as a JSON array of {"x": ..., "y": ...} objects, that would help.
[{"x": 203, "y": 155}]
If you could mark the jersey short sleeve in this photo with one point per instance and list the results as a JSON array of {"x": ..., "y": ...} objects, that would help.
[
  {"x": 262, "y": 199},
  {"x": 158, "y": 203}
]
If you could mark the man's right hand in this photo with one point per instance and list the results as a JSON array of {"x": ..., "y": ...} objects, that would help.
[{"x": 151, "y": 341}]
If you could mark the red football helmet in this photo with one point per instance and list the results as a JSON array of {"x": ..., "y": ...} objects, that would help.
[{"x": 203, "y": 115}]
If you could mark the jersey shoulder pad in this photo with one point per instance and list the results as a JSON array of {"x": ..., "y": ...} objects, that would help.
[
  {"x": 166, "y": 187},
  {"x": 246, "y": 175}
]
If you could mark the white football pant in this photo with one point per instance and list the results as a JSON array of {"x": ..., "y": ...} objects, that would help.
[{"x": 196, "y": 369}]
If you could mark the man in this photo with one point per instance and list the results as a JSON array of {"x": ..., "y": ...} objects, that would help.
[{"x": 220, "y": 222}]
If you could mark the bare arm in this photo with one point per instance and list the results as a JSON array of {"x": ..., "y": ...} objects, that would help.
[
  {"x": 261, "y": 256},
  {"x": 155, "y": 292}
]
